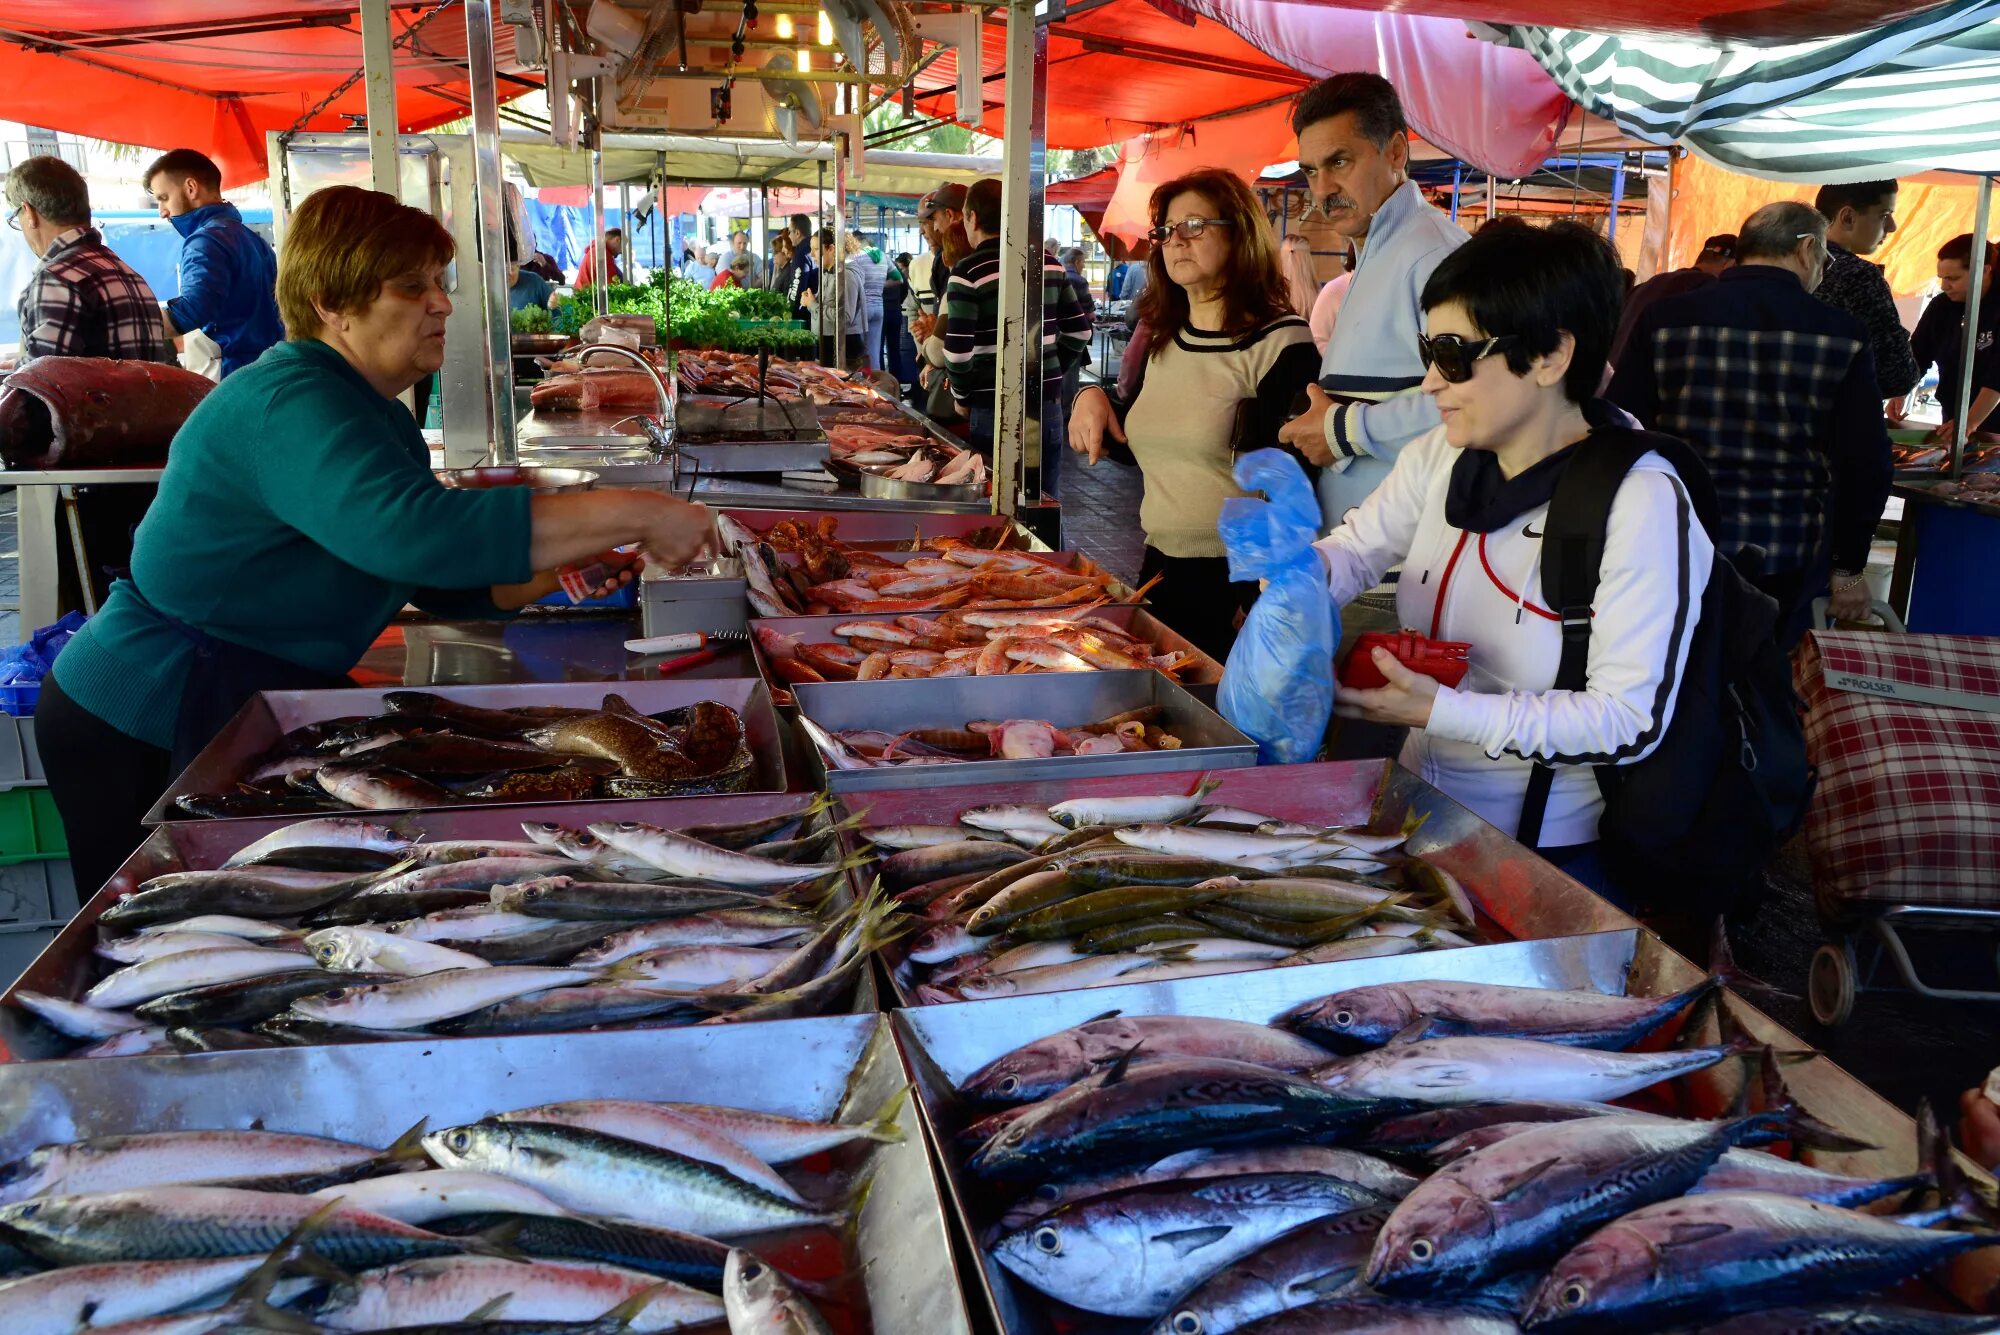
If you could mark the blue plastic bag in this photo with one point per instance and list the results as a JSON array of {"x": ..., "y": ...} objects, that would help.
[
  {"x": 1278, "y": 685},
  {"x": 30, "y": 662}
]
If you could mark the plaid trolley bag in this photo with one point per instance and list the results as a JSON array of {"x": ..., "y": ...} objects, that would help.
[{"x": 1905, "y": 829}]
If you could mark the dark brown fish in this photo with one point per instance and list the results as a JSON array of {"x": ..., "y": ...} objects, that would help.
[
  {"x": 443, "y": 755},
  {"x": 635, "y": 747},
  {"x": 231, "y": 806}
]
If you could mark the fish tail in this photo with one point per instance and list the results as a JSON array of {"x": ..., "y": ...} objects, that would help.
[
  {"x": 1722, "y": 966},
  {"x": 251, "y": 1300},
  {"x": 1799, "y": 1126},
  {"x": 409, "y": 1146},
  {"x": 621, "y": 1317},
  {"x": 881, "y": 1126}
]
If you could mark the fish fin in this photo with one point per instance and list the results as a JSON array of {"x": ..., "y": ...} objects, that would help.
[
  {"x": 1524, "y": 1179},
  {"x": 494, "y": 1306},
  {"x": 1115, "y": 1069},
  {"x": 1415, "y": 1030},
  {"x": 1722, "y": 965},
  {"x": 1186, "y": 1241},
  {"x": 409, "y": 1146},
  {"x": 1108, "y": 1015},
  {"x": 1800, "y": 1126},
  {"x": 622, "y": 1316},
  {"x": 1326, "y": 1284},
  {"x": 881, "y": 1125},
  {"x": 498, "y": 1240}
]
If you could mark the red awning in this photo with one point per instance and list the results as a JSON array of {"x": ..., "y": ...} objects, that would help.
[{"x": 1086, "y": 194}]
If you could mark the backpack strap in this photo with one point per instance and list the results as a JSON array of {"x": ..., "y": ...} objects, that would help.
[{"x": 1572, "y": 550}]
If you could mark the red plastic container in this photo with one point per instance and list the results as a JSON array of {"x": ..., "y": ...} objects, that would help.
[{"x": 1444, "y": 660}]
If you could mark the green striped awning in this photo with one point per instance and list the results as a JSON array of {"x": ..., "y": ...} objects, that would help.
[{"x": 1919, "y": 93}]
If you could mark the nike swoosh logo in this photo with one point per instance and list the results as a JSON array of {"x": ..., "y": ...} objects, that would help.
[{"x": 1528, "y": 531}]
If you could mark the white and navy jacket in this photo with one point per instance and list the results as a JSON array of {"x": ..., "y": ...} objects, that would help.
[{"x": 1485, "y": 589}]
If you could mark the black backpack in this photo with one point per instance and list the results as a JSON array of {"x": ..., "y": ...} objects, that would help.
[{"x": 1689, "y": 828}]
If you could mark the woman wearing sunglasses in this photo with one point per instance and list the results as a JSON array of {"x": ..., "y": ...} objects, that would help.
[
  {"x": 1227, "y": 357},
  {"x": 1518, "y": 323}
]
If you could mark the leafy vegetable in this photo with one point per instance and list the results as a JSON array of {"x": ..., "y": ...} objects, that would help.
[
  {"x": 688, "y": 316},
  {"x": 533, "y": 320}
]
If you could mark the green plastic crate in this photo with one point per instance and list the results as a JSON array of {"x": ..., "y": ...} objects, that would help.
[{"x": 30, "y": 829}]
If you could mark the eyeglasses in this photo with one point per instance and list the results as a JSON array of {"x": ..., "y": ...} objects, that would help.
[
  {"x": 1454, "y": 357},
  {"x": 14, "y": 218},
  {"x": 1187, "y": 229}
]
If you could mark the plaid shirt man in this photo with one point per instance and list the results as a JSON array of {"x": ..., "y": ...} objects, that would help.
[
  {"x": 83, "y": 301},
  {"x": 1777, "y": 391}
]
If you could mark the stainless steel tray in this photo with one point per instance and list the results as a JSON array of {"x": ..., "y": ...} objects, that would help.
[
  {"x": 942, "y": 1045},
  {"x": 1063, "y": 698},
  {"x": 1073, "y": 563},
  {"x": 894, "y": 489},
  {"x": 838, "y": 1066},
  {"x": 1203, "y": 672},
  {"x": 67, "y": 967},
  {"x": 271, "y": 714},
  {"x": 893, "y": 530}
]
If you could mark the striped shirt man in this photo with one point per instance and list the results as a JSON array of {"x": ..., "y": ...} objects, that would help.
[{"x": 972, "y": 326}]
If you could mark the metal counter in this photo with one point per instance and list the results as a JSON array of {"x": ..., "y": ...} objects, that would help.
[{"x": 843, "y": 1067}]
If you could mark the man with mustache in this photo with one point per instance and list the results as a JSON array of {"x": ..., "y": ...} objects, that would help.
[{"x": 1354, "y": 148}]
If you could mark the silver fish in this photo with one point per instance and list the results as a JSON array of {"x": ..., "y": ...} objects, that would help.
[
  {"x": 179, "y": 973},
  {"x": 1379, "y": 1176},
  {"x": 722, "y": 927},
  {"x": 73, "y": 1019},
  {"x": 1041, "y": 1068},
  {"x": 681, "y": 856},
  {"x": 1012, "y": 819},
  {"x": 322, "y": 832},
  {"x": 1365, "y": 1017},
  {"x": 167, "y": 1158},
  {"x": 760, "y": 1301},
  {"x": 478, "y": 922},
  {"x": 591, "y": 851},
  {"x": 157, "y": 945},
  {"x": 775, "y": 1138},
  {"x": 411, "y": 1003},
  {"x": 365, "y": 950},
  {"x": 899, "y": 837},
  {"x": 598, "y": 1174},
  {"x": 1319, "y": 1261},
  {"x": 1481, "y": 1070},
  {"x": 223, "y": 924},
  {"x": 445, "y": 1291},
  {"x": 1080, "y": 812},
  {"x": 61, "y": 1302},
  {"x": 653, "y": 1124},
  {"x": 441, "y": 1193},
  {"x": 1086, "y": 972}
]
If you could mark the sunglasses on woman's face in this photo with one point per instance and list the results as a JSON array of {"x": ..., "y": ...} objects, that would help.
[
  {"x": 1187, "y": 229},
  {"x": 1455, "y": 357}
]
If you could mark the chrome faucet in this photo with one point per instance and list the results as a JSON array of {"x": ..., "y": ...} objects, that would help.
[{"x": 658, "y": 430}]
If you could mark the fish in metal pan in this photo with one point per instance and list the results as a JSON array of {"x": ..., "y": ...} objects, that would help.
[
  {"x": 1310, "y": 1264},
  {"x": 1477, "y": 1070},
  {"x": 171, "y": 1158},
  {"x": 245, "y": 1002},
  {"x": 686, "y": 1257},
  {"x": 136, "y": 983},
  {"x": 244, "y": 894},
  {"x": 1142, "y": 810},
  {"x": 652, "y": 1124},
  {"x": 1160, "y": 1108},
  {"x": 332, "y": 832},
  {"x": 74, "y": 1019},
  {"x": 758, "y": 1300},
  {"x": 584, "y": 1006},
  {"x": 374, "y": 787},
  {"x": 564, "y": 897},
  {"x": 1368, "y": 1017},
  {"x": 362, "y": 950},
  {"x": 598, "y": 1174},
  {"x": 1044, "y": 1067},
  {"x": 61, "y": 1302},
  {"x": 1522, "y": 1202},
  {"x": 441, "y": 1193},
  {"x": 557, "y": 941},
  {"x": 411, "y": 1003},
  {"x": 442, "y": 1290},
  {"x": 679, "y": 855},
  {"x": 776, "y": 1138},
  {"x": 1377, "y": 1316},
  {"x": 764, "y": 925},
  {"x": 1131, "y": 1253},
  {"x": 1709, "y": 1256}
]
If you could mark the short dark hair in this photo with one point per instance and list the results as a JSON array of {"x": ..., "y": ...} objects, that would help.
[
  {"x": 826, "y": 236},
  {"x": 982, "y": 202},
  {"x": 1773, "y": 231},
  {"x": 1856, "y": 195},
  {"x": 182, "y": 163},
  {"x": 52, "y": 188},
  {"x": 802, "y": 223},
  {"x": 342, "y": 244},
  {"x": 1536, "y": 283},
  {"x": 1959, "y": 251},
  {"x": 614, "y": 231},
  {"x": 1378, "y": 112}
]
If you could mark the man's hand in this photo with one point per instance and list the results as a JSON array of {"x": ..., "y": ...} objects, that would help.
[
  {"x": 1894, "y": 410},
  {"x": 923, "y": 326},
  {"x": 1090, "y": 417},
  {"x": 1849, "y": 600},
  {"x": 1406, "y": 700},
  {"x": 678, "y": 533},
  {"x": 1943, "y": 433},
  {"x": 1306, "y": 433}
]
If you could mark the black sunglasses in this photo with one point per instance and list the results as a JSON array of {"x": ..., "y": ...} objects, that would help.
[{"x": 1455, "y": 357}]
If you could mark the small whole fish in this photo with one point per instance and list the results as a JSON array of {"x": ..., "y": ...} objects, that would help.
[
  {"x": 760, "y": 1301},
  {"x": 700, "y": 968},
  {"x": 583, "y": 1006},
  {"x": 915, "y": 866},
  {"x": 61, "y": 1302},
  {"x": 410, "y": 1003},
  {"x": 74, "y": 1019},
  {"x": 144, "y": 946},
  {"x": 1704, "y": 1257},
  {"x": 681, "y": 856},
  {"x": 478, "y": 922},
  {"x": 1367, "y": 1017},
  {"x": 223, "y": 924},
  {"x": 1357, "y": 948},
  {"x": 598, "y": 1174},
  {"x": 1484, "y": 1070},
  {"x": 325, "y": 832},
  {"x": 588, "y": 849},
  {"x": 169, "y": 1158},
  {"x": 899, "y": 838},
  {"x": 445, "y": 1290},
  {"x": 1039, "y": 1069},
  {"x": 1133, "y": 1252},
  {"x": 594, "y": 901},
  {"x": 247, "y": 1001},
  {"x": 136, "y": 983},
  {"x": 440, "y": 1193},
  {"x": 377, "y": 787},
  {"x": 1087, "y": 972},
  {"x": 651, "y": 1124},
  {"x": 685, "y": 1257},
  {"x": 1082, "y": 812},
  {"x": 1307, "y": 1265},
  {"x": 1365, "y": 1171},
  {"x": 365, "y": 950},
  {"x": 245, "y": 894},
  {"x": 759, "y": 926},
  {"x": 775, "y": 1138}
]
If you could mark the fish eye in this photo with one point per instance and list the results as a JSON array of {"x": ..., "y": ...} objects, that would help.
[
  {"x": 1343, "y": 1018},
  {"x": 1048, "y": 1191},
  {"x": 1422, "y": 1249},
  {"x": 753, "y": 1270},
  {"x": 28, "y": 1211},
  {"x": 459, "y": 1140},
  {"x": 334, "y": 995},
  {"x": 1574, "y": 1292},
  {"x": 1185, "y": 1323},
  {"x": 1009, "y": 1085},
  {"x": 534, "y": 892},
  {"x": 1047, "y": 1240}
]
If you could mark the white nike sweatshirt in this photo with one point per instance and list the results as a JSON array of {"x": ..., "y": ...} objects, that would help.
[{"x": 1485, "y": 589}]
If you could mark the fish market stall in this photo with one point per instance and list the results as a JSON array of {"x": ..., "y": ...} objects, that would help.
[
  {"x": 733, "y": 745},
  {"x": 823, "y": 1100},
  {"x": 1012, "y": 729},
  {"x": 517, "y": 886},
  {"x": 1948, "y": 529},
  {"x": 1255, "y": 1151}
]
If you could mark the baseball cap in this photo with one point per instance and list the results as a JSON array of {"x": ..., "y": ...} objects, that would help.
[
  {"x": 1722, "y": 244},
  {"x": 950, "y": 195}
]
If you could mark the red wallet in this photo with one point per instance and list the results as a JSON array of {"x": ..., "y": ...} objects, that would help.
[{"x": 1444, "y": 660}]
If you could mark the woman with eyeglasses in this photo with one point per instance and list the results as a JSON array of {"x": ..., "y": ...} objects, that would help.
[
  {"x": 1227, "y": 358},
  {"x": 1518, "y": 321}
]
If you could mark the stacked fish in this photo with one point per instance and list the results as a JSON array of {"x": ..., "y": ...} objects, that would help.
[
  {"x": 600, "y": 1215},
  {"x": 625, "y": 924},
  {"x": 995, "y": 739},
  {"x": 1017, "y": 900},
  {"x": 1210, "y": 1176},
  {"x": 966, "y": 644},
  {"x": 427, "y": 751}
]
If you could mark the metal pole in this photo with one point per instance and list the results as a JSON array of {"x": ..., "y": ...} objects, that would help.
[
  {"x": 378, "y": 62},
  {"x": 835, "y": 278},
  {"x": 492, "y": 226},
  {"x": 1981, "y": 217},
  {"x": 601, "y": 297},
  {"x": 1457, "y": 180},
  {"x": 625, "y": 220},
  {"x": 1018, "y": 412},
  {"x": 1492, "y": 196},
  {"x": 1617, "y": 199}
]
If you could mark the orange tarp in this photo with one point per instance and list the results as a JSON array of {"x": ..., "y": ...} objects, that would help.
[{"x": 1709, "y": 199}]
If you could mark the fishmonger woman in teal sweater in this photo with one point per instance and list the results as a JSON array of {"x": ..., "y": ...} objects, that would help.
[{"x": 298, "y": 513}]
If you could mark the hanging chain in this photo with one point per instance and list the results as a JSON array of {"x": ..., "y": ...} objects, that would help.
[{"x": 402, "y": 39}]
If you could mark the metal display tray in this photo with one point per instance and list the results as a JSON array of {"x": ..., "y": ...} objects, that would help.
[
  {"x": 1065, "y": 699},
  {"x": 67, "y": 966},
  {"x": 894, "y": 530},
  {"x": 1073, "y": 563},
  {"x": 1203, "y": 672},
  {"x": 269, "y": 715},
  {"x": 942, "y": 1045},
  {"x": 837, "y": 1066},
  {"x": 724, "y": 435}
]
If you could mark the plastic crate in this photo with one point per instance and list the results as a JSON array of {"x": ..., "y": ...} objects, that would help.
[
  {"x": 20, "y": 944},
  {"x": 624, "y": 597},
  {"x": 29, "y": 827},
  {"x": 40, "y": 890},
  {"x": 19, "y": 761},
  {"x": 19, "y": 698}
]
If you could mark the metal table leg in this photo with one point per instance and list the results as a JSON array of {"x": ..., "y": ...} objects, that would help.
[
  {"x": 78, "y": 550},
  {"x": 37, "y": 536}
]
